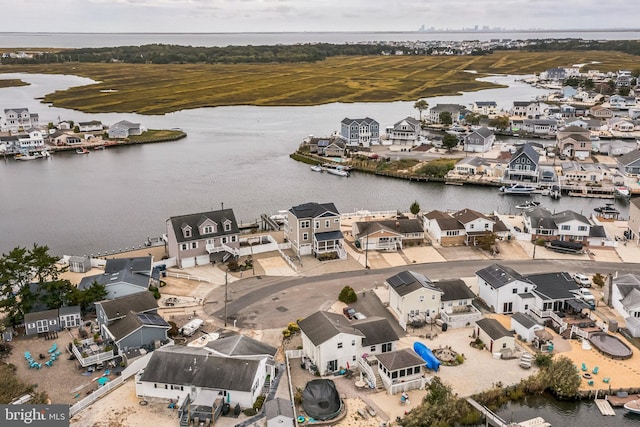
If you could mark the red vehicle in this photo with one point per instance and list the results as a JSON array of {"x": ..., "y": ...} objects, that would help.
[{"x": 349, "y": 312}]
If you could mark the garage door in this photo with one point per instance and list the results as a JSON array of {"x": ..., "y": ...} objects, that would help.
[
  {"x": 202, "y": 259},
  {"x": 188, "y": 262}
]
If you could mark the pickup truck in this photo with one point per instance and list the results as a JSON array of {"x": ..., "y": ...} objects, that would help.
[{"x": 586, "y": 296}]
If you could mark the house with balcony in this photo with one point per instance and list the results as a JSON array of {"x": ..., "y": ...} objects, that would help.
[
  {"x": 387, "y": 235},
  {"x": 619, "y": 102},
  {"x": 485, "y": 108},
  {"x": 124, "y": 276},
  {"x": 444, "y": 229},
  {"x": 124, "y": 129},
  {"x": 552, "y": 293},
  {"x": 479, "y": 141},
  {"x": 456, "y": 303},
  {"x": 360, "y": 132},
  {"x": 457, "y": 112},
  {"x": 20, "y": 119},
  {"x": 314, "y": 229},
  {"x": 202, "y": 238},
  {"x": 331, "y": 342},
  {"x": 405, "y": 133},
  {"x": 580, "y": 173},
  {"x": 413, "y": 298},
  {"x": 542, "y": 127},
  {"x": 478, "y": 225},
  {"x": 574, "y": 142},
  {"x": 527, "y": 109},
  {"x": 523, "y": 165},
  {"x": 568, "y": 226},
  {"x": 111, "y": 310}
]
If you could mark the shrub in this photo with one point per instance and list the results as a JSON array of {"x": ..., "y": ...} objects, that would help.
[
  {"x": 543, "y": 360},
  {"x": 347, "y": 295},
  {"x": 249, "y": 412},
  {"x": 297, "y": 397},
  {"x": 598, "y": 280},
  {"x": 173, "y": 332},
  {"x": 259, "y": 402},
  {"x": 459, "y": 359},
  {"x": 155, "y": 291}
]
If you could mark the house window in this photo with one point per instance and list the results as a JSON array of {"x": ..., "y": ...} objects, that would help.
[
  {"x": 421, "y": 298},
  {"x": 339, "y": 345},
  {"x": 194, "y": 245},
  {"x": 514, "y": 290},
  {"x": 526, "y": 289},
  {"x": 305, "y": 236},
  {"x": 224, "y": 240},
  {"x": 386, "y": 347},
  {"x": 353, "y": 342},
  {"x": 504, "y": 345},
  {"x": 486, "y": 226},
  {"x": 353, "y": 358},
  {"x": 337, "y": 220},
  {"x": 472, "y": 226},
  {"x": 327, "y": 223},
  {"x": 373, "y": 348},
  {"x": 234, "y": 238},
  {"x": 208, "y": 229},
  {"x": 305, "y": 224},
  {"x": 227, "y": 226},
  {"x": 394, "y": 375},
  {"x": 526, "y": 307},
  {"x": 433, "y": 297},
  {"x": 184, "y": 246},
  {"x": 316, "y": 224},
  {"x": 187, "y": 232},
  {"x": 582, "y": 228},
  {"x": 565, "y": 228}
]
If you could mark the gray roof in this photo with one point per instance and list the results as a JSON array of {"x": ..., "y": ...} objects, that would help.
[
  {"x": 41, "y": 315},
  {"x": 524, "y": 319},
  {"x": 367, "y": 120},
  {"x": 329, "y": 235},
  {"x": 126, "y": 125},
  {"x": 554, "y": 286},
  {"x": 195, "y": 220},
  {"x": 313, "y": 210},
  {"x": 498, "y": 275},
  {"x": 597, "y": 231},
  {"x": 484, "y": 132},
  {"x": 138, "y": 303},
  {"x": 67, "y": 310},
  {"x": 133, "y": 321},
  {"x": 454, "y": 290},
  {"x": 410, "y": 120},
  {"x": 400, "y": 359},
  {"x": 322, "y": 325},
  {"x": 376, "y": 330},
  {"x": 189, "y": 366},
  {"x": 568, "y": 215},
  {"x": 449, "y": 224},
  {"x": 279, "y": 407},
  {"x": 400, "y": 225},
  {"x": 630, "y": 157},
  {"x": 407, "y": 282},
  {"x": 632, "y": 300},
  {"x": 241, "y": 345},
  {"x": 485, "y": 103},
  {"x": 493, "y": 328},
  {"x": 527, "y": 150},
  {"x": 135, "y": 271},
  {"x": 436, "y": 214}
]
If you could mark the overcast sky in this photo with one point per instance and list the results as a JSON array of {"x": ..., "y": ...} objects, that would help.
[{"x": 310, "y": 15}]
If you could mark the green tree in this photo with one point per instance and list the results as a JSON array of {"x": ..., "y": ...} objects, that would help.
[
  {"x": 16, "y": 298},
  {"x": 562, "y": 377},
  {"x": 598, "y": 280},
  {"x": 449, "y": 141},
  {"x": 487, "y": 241},
  {"x": 414, "y": 208},
  {"x": 589, "y": 84},
  {"x": 76, "y": 129},
  {"x": 500, "y": 122},
  {"x": 347, "y": 295},
  {"x": 95, "y": 292},
  {"x": 446, "y": 118},
  {"x": 421, "y": 105},
  {"x": 624, "y": 91},
  {"x": 473, "y": 119}
]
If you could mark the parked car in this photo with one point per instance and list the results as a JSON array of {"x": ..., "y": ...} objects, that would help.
[
  {"x": 586, "y": 296},
  {"x": 349, "y": 312},
  {"x": 582, "y": 280},
  {"x": 359, "y": 316}
]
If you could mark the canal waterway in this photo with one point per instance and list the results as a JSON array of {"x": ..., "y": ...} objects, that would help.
[{"x": 237, "y": 156}]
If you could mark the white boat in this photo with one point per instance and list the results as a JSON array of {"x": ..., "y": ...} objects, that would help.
[
  {"x": 25, "y": 157},
  {"x": 518, "y": 189},
  {"x": 316, "y": 168},
  {"x": 622, "y": 191},
  {"x": 339, "y": 172},
  {"x": 528, "y": 205},
  {"x": 633, "y": 406}
]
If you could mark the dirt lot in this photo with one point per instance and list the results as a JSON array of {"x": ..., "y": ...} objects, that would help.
[{"x": 63, "y": 380}]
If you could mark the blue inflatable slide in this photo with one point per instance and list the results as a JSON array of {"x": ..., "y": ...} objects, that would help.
[{"x": 427, "y": 355}]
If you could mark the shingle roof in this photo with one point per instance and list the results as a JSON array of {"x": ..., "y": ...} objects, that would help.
[
  {"x": 527, "y": 149},
  {"x": 399, "y": 359},
  {"x": 313, "y": 210},
  {"x": 195, "y": 220},
  {"x": 553, "y": 286},
  {"x": 632, "y": 300},
  {"x": 493, "y": 328},
  {"x": 135, "y": 271},
  {"x": 468, "y": 215},
  {"x": 124, "y": 327},
  {"x": 407, "y": 281},
  {"x": 401, "y": 226},
  {"x": 41, "y": 315},
  {"x": 66, "y": 310},
  {"x": 376, "y": 330},
  {"x": 189, "y": 366},
  {"x": 498, "y": 275},
  {"x": 436, "y": 214},
  {"x": 277, "y": 407},
  {"x": 629, "y": 158},
  {"x": 322, "y": 325},
  {"x": 241, "y": 345},
  {"x": 138, "y": 303},
  {"x": 449, "y": 224},
  {"x": 454, "y": 289},
  {"x": 524, "y": 319}
]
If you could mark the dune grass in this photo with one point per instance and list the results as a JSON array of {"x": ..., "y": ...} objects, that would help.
[
  {"x": 12, "y": 83},
  {"x": 159, "y": 89}
]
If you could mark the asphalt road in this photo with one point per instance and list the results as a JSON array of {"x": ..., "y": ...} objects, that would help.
[{"x": 273, "y": 302}]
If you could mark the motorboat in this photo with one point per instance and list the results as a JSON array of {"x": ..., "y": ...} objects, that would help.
[
  {"x": 25, "y": 157},
  {"x": 82, "y": 151},
  {"x": 316, "y": 168},
  {"x": 518, "y": 189},
  {"x": 528, "y": 205},
  {"x": 554, "y": 192},
  {"x": 633, "y": 406},
  {"x": 338, "y": 172},
  {"x": 622, "y": 191},
  {"x": 608, "y": 209}
]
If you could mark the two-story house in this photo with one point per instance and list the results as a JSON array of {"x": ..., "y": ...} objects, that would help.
[
  {"x": 502, "y": 289},
  {"x": 543, "y": 127},
  {"x": 124, "y": 129},
  {"x": 477, "y": 225},
  {"x": 360, "y": 132},
  {"x": 566, "y": 226},
  {"x": 413, "y": 297},
  {"x": 202, "y": 238},
  {"x": 457, "y": 111},
  {"x": 574, "y": 142},
  {"x": 314, "y": 229},
  {"x": 629, "y": 164},
  {"x": 444, "y": 229},
  {"x": 485, "y": 108},
  {"x": 479, "y": 141},
  {"x": 523, "y": 165},
  {"x": 19, "y": 119},
  {"x": 528, "y": 109},
  {"x": 625, "y": 295},
  {"x": 405, "y": 132}
]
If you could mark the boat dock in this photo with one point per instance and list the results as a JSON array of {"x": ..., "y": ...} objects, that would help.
[
  {"x": 605, "y": 407},
  {"x": 619, "y": 401},
  {"x": 494, "y": 420}
]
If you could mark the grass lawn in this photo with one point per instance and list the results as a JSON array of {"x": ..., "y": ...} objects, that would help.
[{"x": 159, "y": 89}]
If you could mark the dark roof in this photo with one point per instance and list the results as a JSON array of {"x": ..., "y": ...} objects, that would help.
[
  {"x": 133, "y": 321},
  {"x": 400, "y": 225},
  {"x": 436, "y": 214},
  {"x": 468, "y": 215},
  {"x": 277, "y": 407},
  {"x": 400, "y": 359},
  {"x": 498, "y": 275},
  {"x": 322, "y": 325},
  {"x": 367, "y": 120},
  {"x": 484, "y": 132},
  {"x": 407, "y": 281},
  {"x": 597, "y": 231},
  {"x": 493, "y": 328},
  {"x": 66, "y": 310},
  {"x": 138, "y": 303},
  {"x": 329, "y": 235},
  {"x": 526, "y": 149},
  {"x": 524, "y": 319},
  {"x": 241, "y": 345},
  {"x": 568, "y": 215},
  {"x": 454, "y": 289},
  {"x": 636, "y": 202},
  {"x": 554, "y": 286},
  {"x": 630, "y": 157},
  {"x": 449, "y": 224},
  {"x": 189, "y": 366},
  {"x": 41, "y": 315},
  {"x": 195, "y": 220},
  {"x": 376, "y": 330},
  {"x": 313, "y": 210}
]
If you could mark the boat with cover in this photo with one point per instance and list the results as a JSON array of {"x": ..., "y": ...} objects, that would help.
[
  {"x": 518, "y": 189},
  {"x": 608, "y": 209},
  {"x": 622, "y": 191},
  {"x": 339, "y": 172},
  {"x": 316, "y": 168},
  {"x": 633, "y": 406}
]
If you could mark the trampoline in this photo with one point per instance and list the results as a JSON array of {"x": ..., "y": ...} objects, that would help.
[
  {"x": 321, "y": 400},
  {"x": 610, "y": 346}
]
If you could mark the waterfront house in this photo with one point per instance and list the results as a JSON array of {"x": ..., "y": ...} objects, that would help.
[
  {"x": 541, "y": 127},
  {"x": 477, "y": 225},
  {"x": 314, "y": 229},
  {"x": 576, "y": 172},
  {"x": 124, "y": 129},
  {"x": 525, "y": 326},
  {"x": 413, "y": 297},
  {"x": 360, "y": 132},
  {"x": 331, "y": 342},
  {"x": 197, "y": 377},
  {"x": 485, "y": 108},
  {"x": 479, "y": 141},
  {"x": 555, "y": 292},
  {"x": 556, "y": 74},
  {"x": 387, "y": 235},
  {"x": 574, "y": 142},
  {"x": 600, "y": 112},
  {"x": 523, "y": 165},
  {"x": 20, "y": 119},
  {"x": 90, "y": 126},
  {"x": 457, "y": 112},
  {"x": 633, "y": 232},
  {"x": 625, "y": 295},
  {"x": 502, "y": 289},
  {"x": 279, "y": 413},
  {"x": 406, "y": 132},
  {"x": 629, "y": 164},
  {"x": 124, "y": 276},
  {"x": 333, "y": 149},
  {"x": 471, "y": 166},
  {"x": 527, "y": 109},
  {"x": 401, "y": 366},
  {"x": 202, "y": 238},
  {"x": 495, "y": 337},
  {"x": 566, "y": 225},
  {"x": 444, "y": 229}
]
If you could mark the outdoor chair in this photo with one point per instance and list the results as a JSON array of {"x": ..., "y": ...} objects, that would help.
[
  {"x": 584, "y": 367},
  {"x": 606, "y": 380},
  {"x": 590, "y": 382},
  {"x": 595, "y": 370},
  {"x": 49, "y": 363}
]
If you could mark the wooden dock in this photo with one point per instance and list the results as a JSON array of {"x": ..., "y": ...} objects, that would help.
[{"x": 604, "y": 407}]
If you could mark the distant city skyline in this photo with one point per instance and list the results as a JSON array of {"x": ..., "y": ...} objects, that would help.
[{"x": 230, "y": 16}]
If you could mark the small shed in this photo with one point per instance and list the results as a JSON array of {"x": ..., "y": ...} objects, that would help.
[
  {"x": 495, "y": 336},
  {"x": 79, "y": 264},
  {"x": 633, "y": 326},
  {"x": 525, "y": 326},
  {"x": 279, "y": 413}
]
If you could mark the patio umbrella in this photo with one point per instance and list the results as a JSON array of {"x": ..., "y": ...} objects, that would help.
[{"x": 543, "y": 335}]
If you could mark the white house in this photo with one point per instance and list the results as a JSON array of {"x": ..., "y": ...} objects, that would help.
[
  {"x": 625, "y": 295},
  {"x": 444, "y": 229},
  {"x": 405, "y": 132},
  {"x": 413, "y": 297},
  {"x": 401, "y": 366},
  {"x": 91, "y": 126},
  {"x": 18, "y": 119},
  {"x": 500, "y": 288},
  {"x": 486, "y": 108},
  {"x": 477, "y": 225},
  {"x": 495, "y": 336},
  {"x": 525, "y": 326}
]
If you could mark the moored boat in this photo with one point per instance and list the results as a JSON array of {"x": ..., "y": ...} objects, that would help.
[
  {"x": 25, "y": 157},
  {"x": 622, "y": 191},
  {"x": 633, "y": 406},
  {"x": 528, "y": 204},
  {"x": 316, "y": 168},
  {"x": 339, "y": 172},
  {"x": 608, "y": 209},
  {"x": 82, "y": 151},
  {"x": 518, "y": 189}
]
